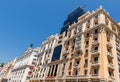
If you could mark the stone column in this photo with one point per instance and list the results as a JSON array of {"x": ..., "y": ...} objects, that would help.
[
  {"x": 54, "y": 70},
  {"x": 50, "y": 71}
]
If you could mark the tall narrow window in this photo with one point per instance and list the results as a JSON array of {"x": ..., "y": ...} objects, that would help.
[
  {"x": 70, "y": 66},
  {"x": 95, "y": 39},
  {"x": 87, "y": 35},
  {"x": 96, "y": 31},
  {"x": 95, "y": 59},
  {"x": 86, "y": 52},
  {"x": 87, "y": 42},
  {"x": 85, "y": 72},
  {"x": 96, "y": 48},
  {"x": 95, "y": 71},
  {"x": 86, "y": 61},
  {"x": 76, "y": 72},
  {"x": 77, "y": 62}
]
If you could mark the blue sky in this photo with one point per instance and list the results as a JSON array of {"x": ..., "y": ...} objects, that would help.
[{"x": 23, "y": 22}]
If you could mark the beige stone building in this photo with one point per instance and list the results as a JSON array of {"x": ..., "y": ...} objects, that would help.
[
  {"x": 89, "y": 52},
  {"x": 6, "y": 71},
  {"x": 44, "y": 57}
]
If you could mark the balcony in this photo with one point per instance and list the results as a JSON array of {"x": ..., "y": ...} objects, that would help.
[
  {"x": 76, "y": 66},
  {"x": 95, "y": 53},
  {"x": 95, "y": 43},
  {"x": 95, "y": 64},
  {"x": 96, "y": 20},
  {"x": 118, "y": 48},
  {"x": 77, "y": 50},
  {"x": 86, "y": 65},
  {"x": 76, "y": 56},
  {"x": 106, "y": 21},
  {"x": 111, "y": 78},
  {"x": 109, "y": 44},
  {"x": 110, "y": 66},
  {"x": 79, "y": 77},
  {"x": 108, "y": 36},
  {"x": 83, "y": 76},
  {"x": 77, "y": 47},
  {"x": 109, "y": 54},
  {"x": 65, "y": 52},
  {"x": 95, "y": 34},
  {"x": 28, "y": 77},
  {"x": 95, "y": 76},
  {"x": 118, "y": 56},
  {"x": 34, "y": 62},
  {"x": 66, "y": 44},
  {"x": 78, "y": 39},
  {"x": 87, "y": 23},
  {"x": 72, "y": 43}
]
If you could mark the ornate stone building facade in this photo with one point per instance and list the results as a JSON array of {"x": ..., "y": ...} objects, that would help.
[
  {"x": 6, "y": 71},
  {"x": 87, "y": 50},
  {"x": 22, "y": 70}
]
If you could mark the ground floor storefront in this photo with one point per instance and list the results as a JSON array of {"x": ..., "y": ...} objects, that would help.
[{"x": 69, "y": 80}]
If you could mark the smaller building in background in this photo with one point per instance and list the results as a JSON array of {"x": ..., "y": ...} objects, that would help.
[
  {"x": 24, "y": 66},
  {"x": 6, "y": 71},
  {"x": 44, "y": 57}
]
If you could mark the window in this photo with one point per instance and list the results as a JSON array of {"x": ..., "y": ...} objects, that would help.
[
  {"x": 75, "y": 31},
  {"x": 65, "y": 57},
  {"x": 72, "y": 48},
  {"x": 95, "y": 39},
  {"x": 96, "y": 22},
  {"x": 85, "y": 72},
  {"x": 70, "y": 65},
  {"x": 96, "y": 31},
  {"x": 66, "y": 49},
  {"x": 77, "y": 62},
  {"x": 87, "y": 42},
  {"x": 108, "y": 39},
  {"x": 108, "y": 50},
  {"x": 110, "y": 73},
  {"x": 60, "y": 37},
  {"x": 88, "y": 26},
  {"x": 96, "y": 17},
  {"x": 78, "y": 44},
  {"x": 79, "y": 37},
  {"x": 67, "y": 43},
  {"x": 106, "y": 20},
  {"x": 71, "y": 54},
  {"x": 69, "y": 73},
  {"x": 96, "y": 48},
  {"x": 79, "y": 29},
  {"x": 62, "y": 73},
  {"x": 95, "y": 71},
  {"x": 86, "y": 61},
  {"x": 76, "y": 72},
  {"x": 86, "y": 52},
  {"x": 95, "y": 58},
  {"x": 63, "y": 66},
  {"x": 44, "y": 69},
  {"x": 87, "y": 35}
]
